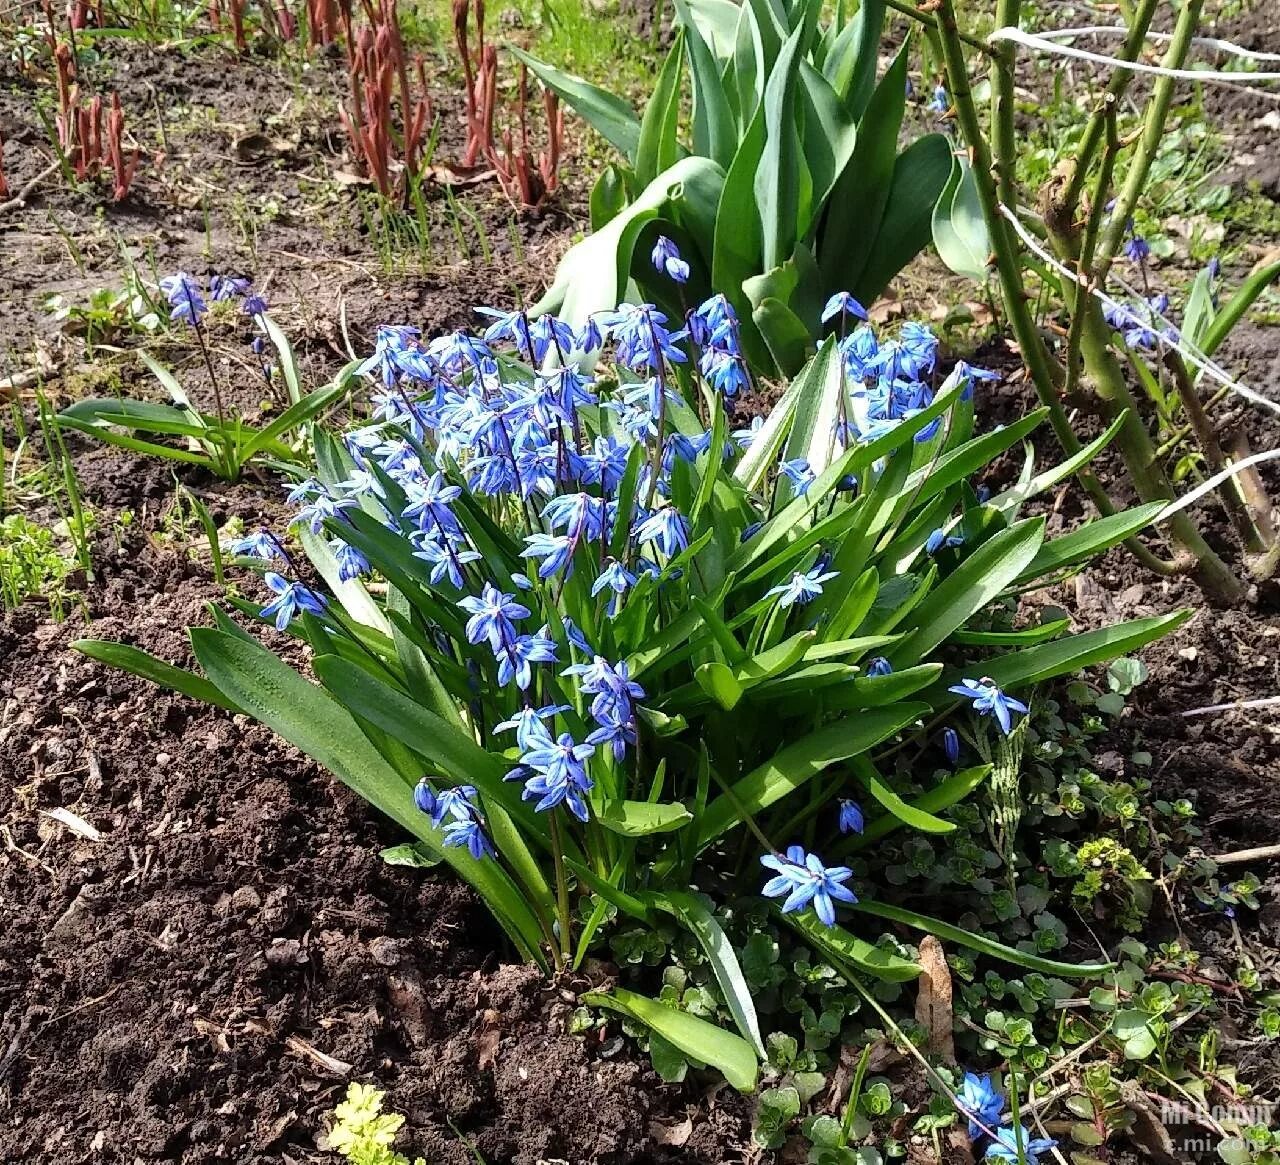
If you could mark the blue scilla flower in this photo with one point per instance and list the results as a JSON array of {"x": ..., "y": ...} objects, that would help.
[
  {"x": 610, "y": 684},
  {"x": 802, "y": 586},
  {"x": 666, "y": 528},
  {"x": 1137, "y": 249},
  {"x": 982, "y": 1102},
  {"x": 507, "y": 325},
  {"x": 989, "y": 700},
  {"x": 577, "y": 640},
  {"x": 225, "y": 287},
  {"x": 843, "y": 304},
  {"x": 528, "y": 723},
  {"x": 1016, "y": 1145},
  {"x": 468, "y": 835},
  {"x": 184, "y": 296},
  {"x": 493, "y": 616},
  {"x": 617, "y": 578},
  {"x": 261, "y": 545},
  {"x": 559, "y": 773},
  {"x": 446, "y": 559},
  {"x": 941, "y": 540},
  {"x": 516, "y": 658},
  {"x": 879, "y": 667},
  {"x": 744, "y": 437},
  {"x": 548, "y": 332},
  {"x": 579, "y": 514},
  {"x": 799, "y": 473},
  {"x": 861, "y": 350},
  {"x": 255, "y": 304},
  {"x": 968, "y": 373},
  {"x": 613, "y": 733},
  {"x": 605, "y": 462},
  {"x": 749, "y": 532},
  {"x": 292, "y": 598},
  {"x": 320, "y": 507},
  {"x": 805, "y": 881},
  {"x": 920, "y": 345},
  {"x": 851, "y": 819},
  {"x": 939, "y": 102},
  {"x": 430, "y": 504},
  {"x": 951, "y": 745},
  {"x": 351, "y": 561},
  {"x": 389, "y": 340},
  {"x": 641, "y": 338},
  {"x": 424, "y": 797},
  {"x": 666, "y": 258},
  {"x": 555, "y": 550},
  {"x": 725, "y": 371}
]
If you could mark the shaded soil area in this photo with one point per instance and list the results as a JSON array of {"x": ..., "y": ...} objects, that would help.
[{"x": 197, "y": 978}]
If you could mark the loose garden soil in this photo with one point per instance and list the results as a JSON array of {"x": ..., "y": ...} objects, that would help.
[{"x": 197, "y": 979}]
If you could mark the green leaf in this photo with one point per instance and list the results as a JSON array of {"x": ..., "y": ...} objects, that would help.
[
  {"x": 982, "y": 944},
  {"x": 593, "y": 274},
  {"x": 643, "y": 818},
  {"x": 719, "y": 682},
  {"x": 140, "y": 663},
  {"x": 310, "y": 719},
  {"x": 1089, "y": 540},
  {"x": 1133, "y": 1028},
  {"x": 720, "y": 954},
  {"x": 908, "y": 814},
  {"x": 414, "y": 856},
  {"x": 148, "y": 416},
  {"x": 714, "y": 134},
  {"x": 959, "y": 230},
  {"x": 1199, "y": 312},
  {"x": 919, "y": 177},
  {"x": 942, "y": 796},
  {"x": 608, "y": 115},
  {"x": 1229, "y": 313},
  {"x": 974, "y": 584},
  {"x": 657, "y": 150},
  {"x": 299, "y": 413},
  {"x": 860, "y": 196},
  {"x": 1009, "y": 500},
  {"x": 835, "y": 940},
  {"x": 782, "y": 180},
  {"x": 695, "y": 1037},
  {"x": 716, "y": 22},
  {"x": 1074, "y": 652},
  {"x": 790, "y": 768},
  {"x": 288, "y": 365}
]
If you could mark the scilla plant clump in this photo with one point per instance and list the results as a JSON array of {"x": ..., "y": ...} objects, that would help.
[{"x": 607, "y": 652}]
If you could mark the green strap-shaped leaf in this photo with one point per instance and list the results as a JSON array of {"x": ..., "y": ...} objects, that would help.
[
  {"x": 643, "y": 818},
  {"x": 959, "y": 230},
  {"x": 1071, "y": 653},
  {"x": 609, "y": 116},
  {"x": 782, "y": 181},
  {"x": 141, "y": 663},
  {"x": 715, "y": 135},
  {"x": 942, "y": 796},
  {"x": 919, "y": 177},
  {"x": 974, "y": 584},
  {"x": 908, "y": 814},
  {"x": 658, "y": 150},
  {"x": 835, "y": 940},
  {"x": 982, "y": 944},
  {"x": 719, "y": 951},
  {"x": 702, "y": 1041},
  {"x": 310, "y": 719},
  {"x": 1229, "y": 313},
  {"x": 789, "y": 769},
  {"x": 1089, "y": 540}
]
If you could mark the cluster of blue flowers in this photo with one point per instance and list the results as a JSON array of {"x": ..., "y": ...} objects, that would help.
[
  {"x": 548, "y": 445},
  {"x": 187, "y": 300},
  {"x": 983, "y": 1105},
  {"x": 1141, "y": 324}
]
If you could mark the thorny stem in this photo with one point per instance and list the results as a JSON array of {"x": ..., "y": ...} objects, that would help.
[
  {"x": 1119, "y": 82},
  {"x": 1207, "y": 438},
  {"x": 1152, "y": 131}
]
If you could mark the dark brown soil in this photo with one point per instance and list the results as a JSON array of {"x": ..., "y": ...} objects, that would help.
[{"x": 198, "y": 981}]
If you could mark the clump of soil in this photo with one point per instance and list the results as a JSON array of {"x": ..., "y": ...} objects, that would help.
[{"x": 199, "y": 979}]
